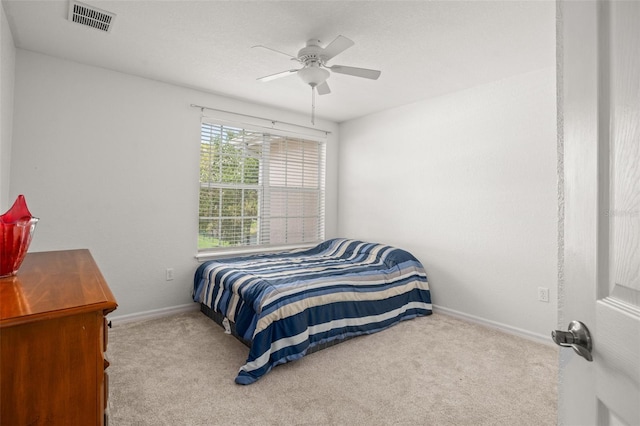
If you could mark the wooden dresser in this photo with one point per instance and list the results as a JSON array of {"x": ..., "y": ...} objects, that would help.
[{"x": 53, "y": 335}]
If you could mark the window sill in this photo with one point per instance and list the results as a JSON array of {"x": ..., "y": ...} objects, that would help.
[{"x": 237, "y": 251}]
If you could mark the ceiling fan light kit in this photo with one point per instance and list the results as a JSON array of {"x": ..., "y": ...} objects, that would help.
[
  {"x": 315, "y": 72},
  {"x": 313, "y": 75}
]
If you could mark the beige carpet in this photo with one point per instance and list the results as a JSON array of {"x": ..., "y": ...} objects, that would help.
[{"x": 433, "y": 370}]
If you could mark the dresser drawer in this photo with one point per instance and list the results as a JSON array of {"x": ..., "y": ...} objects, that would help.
[{"x": 49, "y": 371}]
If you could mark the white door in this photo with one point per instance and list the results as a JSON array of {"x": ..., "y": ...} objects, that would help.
[{"x": 599, "y": 277}]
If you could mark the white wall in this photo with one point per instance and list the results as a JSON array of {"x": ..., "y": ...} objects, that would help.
[
  {"x": 7, "y": 71},
  {"x": 109, "y": 162},
  {"x": 467, "y": 182}
]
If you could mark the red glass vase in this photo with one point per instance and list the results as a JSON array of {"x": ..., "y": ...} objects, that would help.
[{"x": 16, "y": 230}]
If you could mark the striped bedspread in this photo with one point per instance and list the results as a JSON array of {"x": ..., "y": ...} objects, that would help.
[{"x": 286, "y": 303}]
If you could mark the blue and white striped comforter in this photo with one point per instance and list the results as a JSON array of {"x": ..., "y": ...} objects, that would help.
[{"x": 286, "y": 303}]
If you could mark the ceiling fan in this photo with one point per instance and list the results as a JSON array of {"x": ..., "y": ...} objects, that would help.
[{"x": 315, "y": 70}]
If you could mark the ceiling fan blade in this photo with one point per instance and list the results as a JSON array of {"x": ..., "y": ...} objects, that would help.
[
  {"x": 274, "y": 50},
  {"x": 339, "y": 45},
  {"x": 323, "y": 88},
  {"x": 277, "y": 75},
  {"x": 358, "y": 72}
]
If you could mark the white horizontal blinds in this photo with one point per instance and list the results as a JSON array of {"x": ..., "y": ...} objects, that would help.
[
  {"x": 259, "y": 189},
  {"x": 294, "y": 197}
]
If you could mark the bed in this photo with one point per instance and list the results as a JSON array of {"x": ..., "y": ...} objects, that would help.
[{"x": 286, "y": 305}]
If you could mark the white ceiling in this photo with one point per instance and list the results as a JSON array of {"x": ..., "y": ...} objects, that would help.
[{"x": 424, "y": 48}]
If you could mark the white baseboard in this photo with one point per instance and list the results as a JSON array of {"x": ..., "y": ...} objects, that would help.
[
  {"x": 538, "y": 338},
  {"x": 153, "y": 314}
]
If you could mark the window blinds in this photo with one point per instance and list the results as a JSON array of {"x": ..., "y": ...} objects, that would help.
[{"x": 258, "y": 188}]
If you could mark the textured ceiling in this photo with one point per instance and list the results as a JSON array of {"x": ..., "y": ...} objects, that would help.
[{"x": 424, "y": 48}]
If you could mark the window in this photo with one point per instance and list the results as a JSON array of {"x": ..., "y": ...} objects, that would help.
[{"x": 259, "y": 189}]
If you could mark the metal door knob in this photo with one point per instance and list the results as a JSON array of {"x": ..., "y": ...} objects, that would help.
[{"x": 577, "y": 337}]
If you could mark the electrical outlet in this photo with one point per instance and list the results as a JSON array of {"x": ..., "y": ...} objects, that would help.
[
  {"x": 169, "y": 274},
  {"x": 543, "y": 294}
]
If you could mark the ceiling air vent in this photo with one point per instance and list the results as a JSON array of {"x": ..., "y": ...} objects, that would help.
[{"x": 90, "y": 16}]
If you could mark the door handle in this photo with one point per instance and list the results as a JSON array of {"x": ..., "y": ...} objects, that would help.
[{"x": 577, "y": 337}]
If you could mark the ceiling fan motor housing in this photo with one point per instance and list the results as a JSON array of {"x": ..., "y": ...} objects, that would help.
[{"x": 311, "y": 52}]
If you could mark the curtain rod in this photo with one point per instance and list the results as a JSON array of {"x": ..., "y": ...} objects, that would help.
[{"x": 326, "y": 132}]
